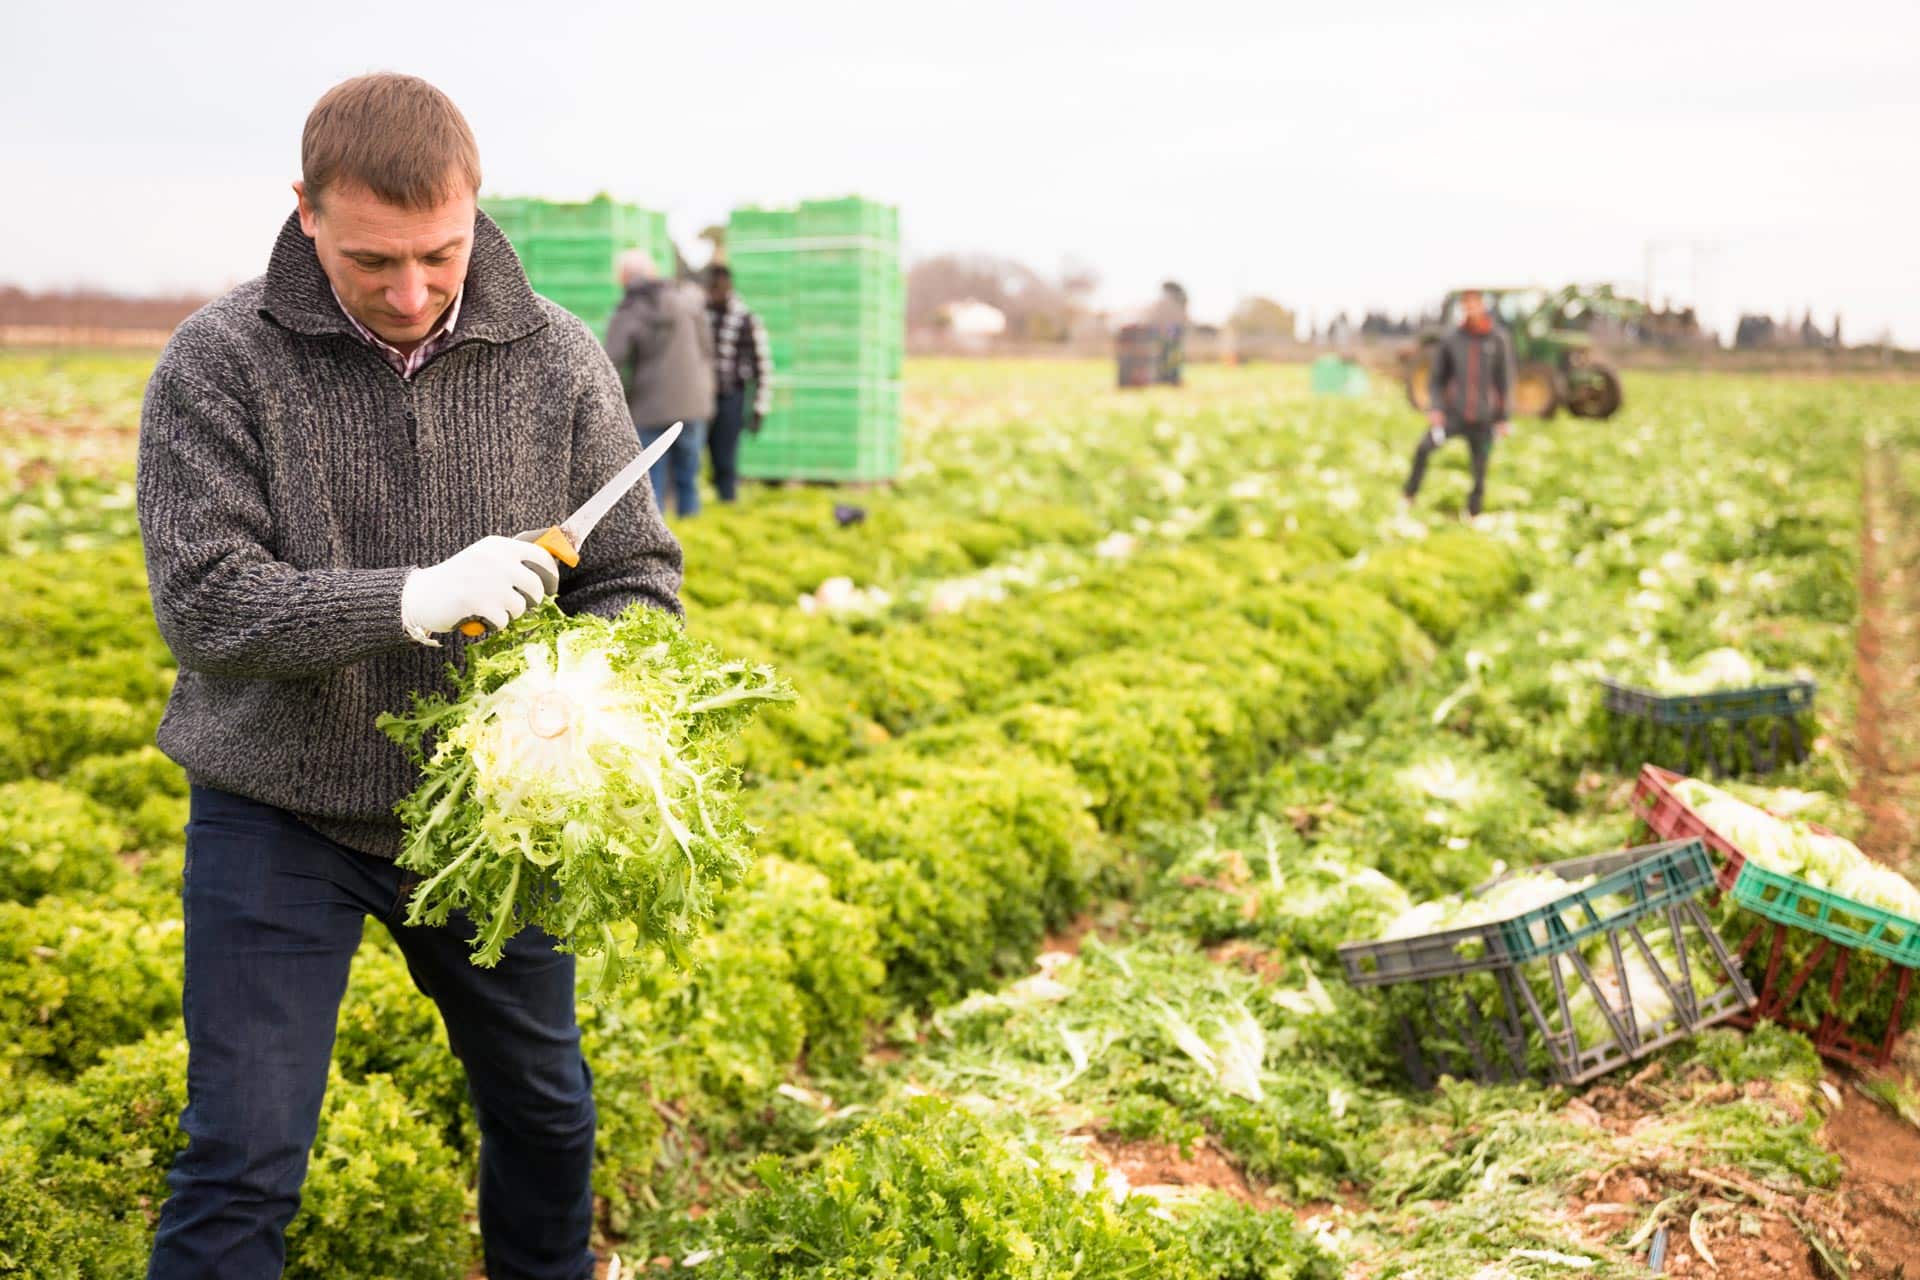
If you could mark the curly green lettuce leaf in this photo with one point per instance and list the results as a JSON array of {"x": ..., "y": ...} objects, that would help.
[{"x": 578, "y": 779}]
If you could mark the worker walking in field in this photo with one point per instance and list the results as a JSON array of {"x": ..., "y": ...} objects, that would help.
[
  {"x": 662, "y": 347},
  {"x": 1168, "y": 316},
  {"x": 331, "y": 457},
  {"x": 1471, "y": 391},
  {"x": 742, "y": 377}
]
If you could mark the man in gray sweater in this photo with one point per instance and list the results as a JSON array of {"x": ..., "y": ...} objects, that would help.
[{"x": 330, "y": 456}]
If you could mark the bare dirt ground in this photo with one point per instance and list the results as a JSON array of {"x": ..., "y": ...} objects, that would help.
[
  {"x": 1887, "y": 727},
  {"x": 1879, "y": 1194}
]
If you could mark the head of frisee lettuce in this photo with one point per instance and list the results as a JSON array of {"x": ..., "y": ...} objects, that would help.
[{"x": 578, "y": 779}]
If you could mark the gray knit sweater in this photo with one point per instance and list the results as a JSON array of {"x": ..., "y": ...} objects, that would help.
[{"x": 289, "y": 480}]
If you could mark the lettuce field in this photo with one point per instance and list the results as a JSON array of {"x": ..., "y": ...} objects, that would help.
[{"x": 1114, "y": 718}]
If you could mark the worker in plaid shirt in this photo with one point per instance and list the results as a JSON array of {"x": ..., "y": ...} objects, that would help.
[{"x": 740, "y": 356}]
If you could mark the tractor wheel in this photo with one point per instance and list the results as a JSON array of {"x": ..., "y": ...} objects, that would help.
[
  {"x": 1419, "y": 394},
  {"x": 1596, "y": 394},
  {"x": 1416, "y": 371},
  {"x": 1536, "y": 391}
]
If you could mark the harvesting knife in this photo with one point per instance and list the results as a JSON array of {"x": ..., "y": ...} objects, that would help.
[{"x": 565, "y": 539}]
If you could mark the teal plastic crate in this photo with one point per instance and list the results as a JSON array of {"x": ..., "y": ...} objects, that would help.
[
  {"x": 1627, "y": 885},
  {"x": 1630, "y": 884},
  {"x": 1792, "y": 901},
  {"x": 1642, "y": 900}
]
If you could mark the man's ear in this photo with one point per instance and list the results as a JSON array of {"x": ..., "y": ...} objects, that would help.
[{"x": 309, "y": 214}]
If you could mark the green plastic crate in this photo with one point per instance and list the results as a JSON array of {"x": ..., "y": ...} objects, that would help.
[
  {"x": 601, "y": 216},
  {"x": 850, "y": 401},
  {"x": 815, "y": 351},
  {"x": 1792, "y": 901},
  {"x": 752, "y": 223},
  {"x": 848, "y": 216},
  {"x": 826, "y": 281},
  {"x": 509, "y": 214},
  {"x": 592, "y": 258},
  {"x": 592, "y": 303},
  {"x": 566, "y": 245}
]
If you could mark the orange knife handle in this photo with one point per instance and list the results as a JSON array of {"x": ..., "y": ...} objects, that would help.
[
  {"x": 559, "y": 546},
  {"x": 556, "y": 544}
]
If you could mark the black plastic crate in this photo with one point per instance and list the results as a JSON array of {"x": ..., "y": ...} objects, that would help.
[
  {"x": 1734, "y": 731},
  {"x": 1495, "y": 1001}
]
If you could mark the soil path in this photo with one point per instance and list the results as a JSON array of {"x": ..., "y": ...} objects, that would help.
[
  {"x": 1887, "y": 720},
  {"x": 1880, "y": 1153}
]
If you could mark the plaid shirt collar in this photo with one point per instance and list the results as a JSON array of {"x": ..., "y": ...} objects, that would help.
[{"x": 406, "y": 363}]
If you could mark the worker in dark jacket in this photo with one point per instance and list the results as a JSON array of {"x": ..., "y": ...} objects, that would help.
[
  {"x": 1471, "y": 391},
  {"x": 333, "y": 457},
  {"x": 742, "y": 358},
  {"x": 662, "y": 348}
]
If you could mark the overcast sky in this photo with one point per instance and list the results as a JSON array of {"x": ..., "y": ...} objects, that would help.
[{"x": 1331, "y": 156}]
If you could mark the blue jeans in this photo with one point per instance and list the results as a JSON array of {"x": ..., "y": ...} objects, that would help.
[
  {"x": 274, "y": 911},
  {"x": 678, "y": 473}
]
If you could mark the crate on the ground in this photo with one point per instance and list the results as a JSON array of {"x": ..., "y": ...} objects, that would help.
[
  {"x": 1733, "y": 731},
  {"x": 1861, "y": 949},
  {"x": 1667, "y": 817},
  {"x": 1498, "y": 1000}
]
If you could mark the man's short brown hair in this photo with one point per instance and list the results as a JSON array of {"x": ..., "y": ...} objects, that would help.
[{"x": 397, "y": 136}]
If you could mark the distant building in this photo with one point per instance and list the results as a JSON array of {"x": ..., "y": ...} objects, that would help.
[{"x": 973, "y": 322}]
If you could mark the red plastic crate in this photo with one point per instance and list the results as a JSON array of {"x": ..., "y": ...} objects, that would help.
[
  {"x": 1779, "y": 988},
  {"x": 1670, "y": 818}
]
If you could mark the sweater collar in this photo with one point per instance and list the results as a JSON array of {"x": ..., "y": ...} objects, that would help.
[{"x": 496, "y": 302}]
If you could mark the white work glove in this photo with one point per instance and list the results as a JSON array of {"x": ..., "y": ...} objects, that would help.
[{"x": 496, "y": 580}]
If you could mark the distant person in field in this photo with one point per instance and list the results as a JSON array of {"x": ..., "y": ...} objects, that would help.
[
  {"x": 1168, "y": 317},
  {"x": 662, "y": 346},
  {"x": 1471, "y": 390},
  {"x": 742, "y": 377},
  {"x": 334, "y": 459}
]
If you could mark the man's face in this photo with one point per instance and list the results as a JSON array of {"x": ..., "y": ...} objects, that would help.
[
  {"x": 719, "y": 289},
  {"x": 1473, "y": 308},
  {"x": 396, "y": 270}
]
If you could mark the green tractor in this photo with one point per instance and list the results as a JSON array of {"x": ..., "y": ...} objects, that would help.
[{"x": 1558, "y": 367}]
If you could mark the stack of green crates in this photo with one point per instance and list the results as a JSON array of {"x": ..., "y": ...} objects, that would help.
[
  {"x": 825, "y": 280},
  {"x": 569, "y": 250}
]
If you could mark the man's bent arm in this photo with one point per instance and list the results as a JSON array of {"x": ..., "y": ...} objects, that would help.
[{"x": 225, "y": 605}]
